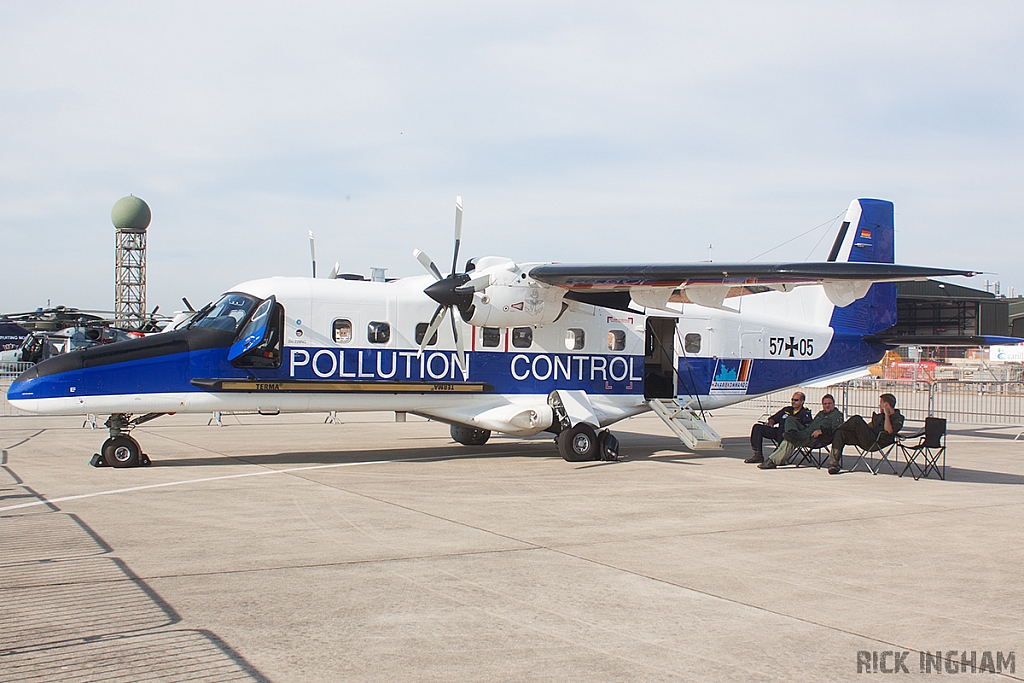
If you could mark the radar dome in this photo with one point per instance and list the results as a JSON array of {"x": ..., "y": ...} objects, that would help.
[{"x": 131, "y": 214}]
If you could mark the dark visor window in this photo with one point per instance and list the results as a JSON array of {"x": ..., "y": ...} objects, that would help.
[{"x": 229, "y": 313}]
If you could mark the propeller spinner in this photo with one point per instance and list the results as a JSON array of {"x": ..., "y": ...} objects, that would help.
[{"x": 451, "y": 292}]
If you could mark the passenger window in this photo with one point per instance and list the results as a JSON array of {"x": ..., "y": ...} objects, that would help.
[
  {"x": 616, "y": 340},
  {"x": 522, "y": 337},
  {"x": 691, "y": 343},
  {"x": 342, "y": 331},
  {"x": 421, "y": 330},
  {"x": 379, "y": 333},
  {"x": 491, "y": 337},
  {"x": 575, "y": 339}
]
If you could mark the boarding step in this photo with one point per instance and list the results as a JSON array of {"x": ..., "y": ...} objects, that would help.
[{"x": 691, "y": 430}]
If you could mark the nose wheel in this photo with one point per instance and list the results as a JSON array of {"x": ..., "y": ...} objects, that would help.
[{"x": 121, "y": 450}]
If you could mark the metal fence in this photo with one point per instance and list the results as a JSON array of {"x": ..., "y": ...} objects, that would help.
[
  {"x": 987, "y": 403},
  {"x": 9, "y": 371}
]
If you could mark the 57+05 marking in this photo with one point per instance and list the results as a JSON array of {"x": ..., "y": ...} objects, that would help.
[{"x": 791, "y": 348}]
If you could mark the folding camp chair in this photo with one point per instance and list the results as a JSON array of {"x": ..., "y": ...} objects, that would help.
[
  {"x": 930, "y": 447},
  {"x": 815, "y": 454},
  {"x": 865, "y": 455}
]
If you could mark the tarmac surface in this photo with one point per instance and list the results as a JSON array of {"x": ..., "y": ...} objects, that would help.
[{"x": 286, "y": 549}]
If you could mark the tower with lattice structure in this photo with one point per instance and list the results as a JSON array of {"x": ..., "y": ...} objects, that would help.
[{"x": 131, "y": 217}]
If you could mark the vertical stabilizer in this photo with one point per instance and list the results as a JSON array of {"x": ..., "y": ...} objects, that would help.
[{"x": 868, "y": 237}]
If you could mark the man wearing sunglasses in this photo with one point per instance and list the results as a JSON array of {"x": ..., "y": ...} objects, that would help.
[{"x": 772, "y": 429}]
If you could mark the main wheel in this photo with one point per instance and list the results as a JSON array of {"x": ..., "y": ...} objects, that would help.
[
  {"x": 121, "y": 451},
  {"x": 578, "y": 444},
  {"x": 469, "y": 436}
]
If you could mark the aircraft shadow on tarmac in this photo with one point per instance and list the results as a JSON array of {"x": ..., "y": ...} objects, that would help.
[{"x": 634, "y": 447}]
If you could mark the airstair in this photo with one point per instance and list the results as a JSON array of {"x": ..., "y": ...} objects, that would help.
[{"x": 684, "y": 423}]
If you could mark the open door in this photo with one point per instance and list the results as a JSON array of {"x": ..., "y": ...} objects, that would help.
[
  {"x": 660, "y": 358},
  {"x": 259, "y": 344}
]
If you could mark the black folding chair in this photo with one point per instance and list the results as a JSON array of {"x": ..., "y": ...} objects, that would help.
[
  {"x": 930, "y": 447},
  {"x": 815, "y": 454},
  {"x": 865, "y": 455}
]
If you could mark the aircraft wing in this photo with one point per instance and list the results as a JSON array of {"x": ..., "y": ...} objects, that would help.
[{"x": 709, "y": 284}]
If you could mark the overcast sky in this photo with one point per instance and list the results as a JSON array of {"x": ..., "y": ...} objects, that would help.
[{"x": 575, "y": 132}]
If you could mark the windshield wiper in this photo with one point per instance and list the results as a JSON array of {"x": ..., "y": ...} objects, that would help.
[{"x": 200, "y": 314}]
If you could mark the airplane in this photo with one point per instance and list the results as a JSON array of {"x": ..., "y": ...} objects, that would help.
[{"x": 529, "y": 347}]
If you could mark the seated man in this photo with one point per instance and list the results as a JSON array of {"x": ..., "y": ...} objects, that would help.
[
  {"x": 795, "y": 434},
  {"x": 773, "y": 429},
  {"x": 872, "y": 437}
]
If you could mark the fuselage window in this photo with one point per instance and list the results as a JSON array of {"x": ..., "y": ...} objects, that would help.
[
  {"x": 490, "y": 336},
  {"x": 522, "y": 337},
  {"x": 691, "y": 343},
  {"x": 616, "y": 340},
  {"x": 575, "y": 338},
  {"x": 421, "y": 330},
  {"x": 379, "y": 332},
  {"x": 342, "y": 331}
]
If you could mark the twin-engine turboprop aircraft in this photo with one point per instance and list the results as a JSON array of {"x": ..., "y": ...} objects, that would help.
[{"x": 570, "y": 349}]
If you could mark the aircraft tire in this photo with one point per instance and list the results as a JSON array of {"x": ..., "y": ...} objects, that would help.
[
  {"x": 578, "y": 444},
  {"x": 469, "y": 436},
  {"x": 121, "y": 451}
]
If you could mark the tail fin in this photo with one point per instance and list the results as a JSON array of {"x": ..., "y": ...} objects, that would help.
[{"x": 867, "y": 235}]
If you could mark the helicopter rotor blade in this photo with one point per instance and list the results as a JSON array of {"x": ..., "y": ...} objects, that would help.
[{"x": 427, "y": 263}]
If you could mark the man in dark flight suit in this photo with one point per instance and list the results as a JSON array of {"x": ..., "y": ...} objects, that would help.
[
  {"x": 882, "y": 431},
  {"x": 773, "y": 429}
]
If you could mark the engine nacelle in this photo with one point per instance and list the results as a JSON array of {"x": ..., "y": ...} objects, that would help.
[{"x": 513, "y": 299}]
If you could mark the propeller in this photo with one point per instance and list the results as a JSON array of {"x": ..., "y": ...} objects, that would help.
[{"x": 450, "y": 292}]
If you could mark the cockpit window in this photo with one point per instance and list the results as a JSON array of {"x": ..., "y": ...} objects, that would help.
[{"x": 227, "y": 314}]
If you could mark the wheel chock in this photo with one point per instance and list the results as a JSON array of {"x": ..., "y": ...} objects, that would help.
[{"x": 97, "y": 460}]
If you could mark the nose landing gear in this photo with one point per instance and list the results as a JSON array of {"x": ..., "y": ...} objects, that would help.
[{"x": 121, "y": 450}]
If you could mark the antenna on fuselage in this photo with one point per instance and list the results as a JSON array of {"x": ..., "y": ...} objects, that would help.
[{"x": 312, "y": 251}]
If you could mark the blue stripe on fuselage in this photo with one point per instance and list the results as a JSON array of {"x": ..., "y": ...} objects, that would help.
[
  {"x": 846, "y": 351},
  {"x": 508, "y": 373}
]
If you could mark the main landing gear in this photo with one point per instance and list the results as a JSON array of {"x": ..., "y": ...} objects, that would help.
[
  {"x": 121, "y": 450},
  {"x": 580, "y": 442}
]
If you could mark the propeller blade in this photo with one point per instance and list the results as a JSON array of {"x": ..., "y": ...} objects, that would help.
[
  {"x": 460, "y": 348},
  {"x": 435, "y": 323},
  {"x": 334, "y": 273},
  {"x": 477, "y": 284},
  {"x": 427, "y": 263},
  {"x": 458, "y": 232}
]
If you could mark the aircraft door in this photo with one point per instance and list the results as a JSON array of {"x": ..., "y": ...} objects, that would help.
[
  {"x": 260, "y": 343},
  {"x": 660, "y": 358},
  {"x": 255, "y": 331}
]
